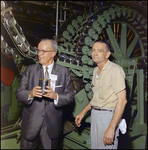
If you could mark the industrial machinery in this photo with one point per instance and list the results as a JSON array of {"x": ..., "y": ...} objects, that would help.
[{"x": 124, "y": 28}]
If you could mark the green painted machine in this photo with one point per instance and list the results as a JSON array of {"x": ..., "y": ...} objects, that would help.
[{"x": 124, "y": 28}]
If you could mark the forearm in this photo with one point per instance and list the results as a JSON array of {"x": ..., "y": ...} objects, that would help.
[
  {"x": 118, "y": 112},
  {"x": 80, "y": 116},
  {"x": 86, "y": 108}
]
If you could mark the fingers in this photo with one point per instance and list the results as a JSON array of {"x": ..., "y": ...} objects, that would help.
[
  {"x": 77, "y": 121},
  {"x": 48, "y": 90},
  {"x": 79, "y": 124},
  {"x": 109, "y": 137},
  {"x": 48, "y": 87},
  {"x": 50, "y": 93},
  {"x": 108, "y": 141},
  {"x": 37, "y": 92}
]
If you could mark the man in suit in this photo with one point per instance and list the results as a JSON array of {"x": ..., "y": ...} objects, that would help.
[{"x": 42, "y": 113}]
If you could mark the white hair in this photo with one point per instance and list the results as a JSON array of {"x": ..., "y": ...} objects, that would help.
[{"x": 53, "y": 42}]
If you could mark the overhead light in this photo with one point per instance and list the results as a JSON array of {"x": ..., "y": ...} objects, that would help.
[
  {"x": 10, "y": 22},
  {"x": 3, "y": 47},
  {"x": 9, "y": 50},
  {"x": 18, "y": 28},
  {"x": 13, "y": 32},
  {"x": 24, "y": 47},
  {"x": 20, "y": 39},
  {"x": 4, "y": 44}
]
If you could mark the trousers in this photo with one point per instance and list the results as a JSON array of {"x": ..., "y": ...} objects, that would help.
[
  {"x": 100, "y": 121},
  {"x": 42, "y": 141}
]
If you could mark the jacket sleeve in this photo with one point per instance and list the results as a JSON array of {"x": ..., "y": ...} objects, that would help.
[
  {"x": 67, "y": 95},
  {"x": 22, "y": 91}
]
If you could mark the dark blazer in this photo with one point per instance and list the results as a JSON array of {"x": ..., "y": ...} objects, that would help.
[{"x": 34, "y": 113}]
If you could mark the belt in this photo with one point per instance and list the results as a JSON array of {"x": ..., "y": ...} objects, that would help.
[{"x": 101, "y": 109}]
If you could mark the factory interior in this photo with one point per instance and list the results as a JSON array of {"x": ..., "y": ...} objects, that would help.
[{"x": 75, "y": 25}]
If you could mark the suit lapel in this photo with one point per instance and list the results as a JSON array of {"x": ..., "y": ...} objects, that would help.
[
  {"x": 38, "y": 74},
  {"x": 54, "y": 69}
]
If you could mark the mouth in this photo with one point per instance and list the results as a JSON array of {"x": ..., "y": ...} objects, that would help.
[
  {"x": 40, "y": 58},
  {"x": 95, "y": 57}
]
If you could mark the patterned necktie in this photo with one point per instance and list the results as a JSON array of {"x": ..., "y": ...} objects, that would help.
[{"x": 46, "y": 73}]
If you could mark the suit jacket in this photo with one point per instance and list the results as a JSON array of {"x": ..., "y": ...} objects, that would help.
[{"x": 34, "y": 113}]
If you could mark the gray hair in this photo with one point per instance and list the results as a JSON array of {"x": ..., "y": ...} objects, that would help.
[{"x": 53, "y": 42}]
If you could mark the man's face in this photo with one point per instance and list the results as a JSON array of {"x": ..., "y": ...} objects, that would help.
[
  {"x": 46, "y": 53},
  {"x": 99, "y": 52}
]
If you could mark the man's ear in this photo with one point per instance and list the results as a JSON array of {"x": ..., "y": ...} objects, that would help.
[
  {"x": 108, "y": 54},
  {"x": 53, "y": 54}
]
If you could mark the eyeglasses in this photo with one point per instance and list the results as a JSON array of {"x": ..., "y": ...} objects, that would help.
[{"x": 44, "y": 51}]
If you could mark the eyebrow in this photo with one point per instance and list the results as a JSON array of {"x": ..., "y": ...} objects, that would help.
[{"x": 98, "y": 49}]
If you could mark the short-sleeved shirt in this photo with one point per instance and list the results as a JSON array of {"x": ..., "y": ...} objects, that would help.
[{"x": 107, "y": 84}]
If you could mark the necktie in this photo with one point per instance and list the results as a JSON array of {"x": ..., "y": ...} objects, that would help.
[
  {"x": 46, "y": 77},
  {"x": 46, "y": 73}
]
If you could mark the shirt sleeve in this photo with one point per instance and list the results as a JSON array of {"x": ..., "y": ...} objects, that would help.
[
  {"x": 30, "y": 100},
  {"x": 118, "y": 79}
]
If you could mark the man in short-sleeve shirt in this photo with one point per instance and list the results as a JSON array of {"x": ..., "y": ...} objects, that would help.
[
  {"x": 107, "y": 84},
  {"x": 109, "y": 99}
]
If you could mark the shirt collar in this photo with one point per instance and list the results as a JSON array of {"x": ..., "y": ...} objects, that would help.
[
  {"x": 49, "y": 67},
  {"x": 105, "y": 66}
]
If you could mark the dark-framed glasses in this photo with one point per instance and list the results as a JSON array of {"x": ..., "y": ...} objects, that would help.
[{"x": 43, "y": 51}]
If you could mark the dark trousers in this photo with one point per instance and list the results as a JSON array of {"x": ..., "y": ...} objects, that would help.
[{"x": 42, "y": 141}]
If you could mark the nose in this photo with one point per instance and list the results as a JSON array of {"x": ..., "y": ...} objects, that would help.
[{"x": 95, "y": 53}]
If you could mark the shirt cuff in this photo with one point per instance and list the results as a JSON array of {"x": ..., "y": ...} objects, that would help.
[
  {"x": 30, "y": 100},
  {"x": 56, "y": 100}
]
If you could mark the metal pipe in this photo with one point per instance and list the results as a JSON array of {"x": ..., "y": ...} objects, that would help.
[
  {"x": 34, "y": 2},
  {"x": 61, "y": 16},
  {"x": 57, "y": 21},
  {"x": 10, "y": 129},
  {"x": 9, "y": 136},
  {"x": 65, "y": 13}
]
